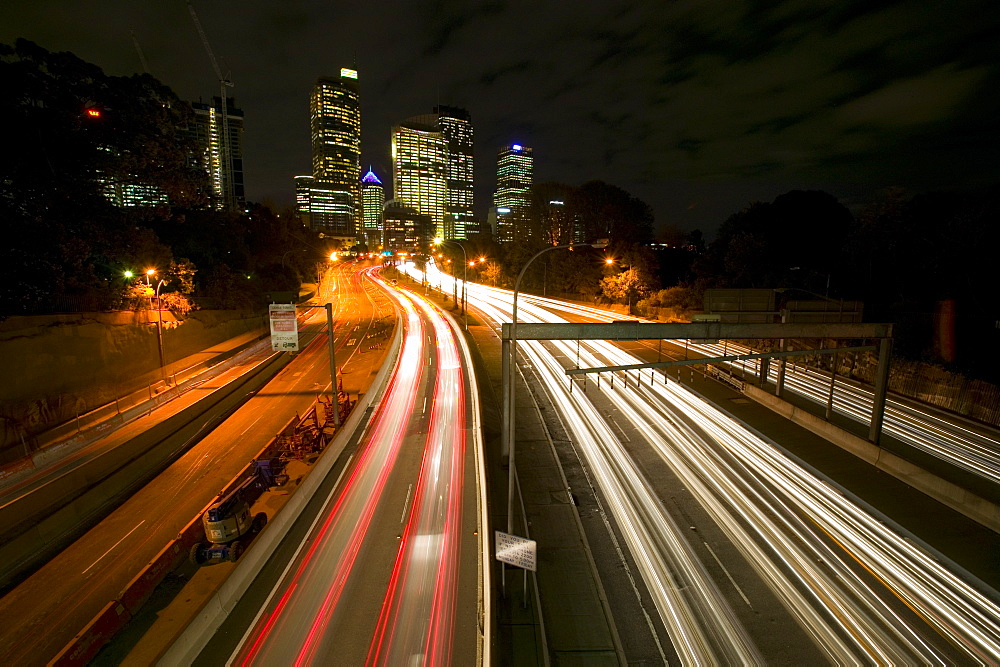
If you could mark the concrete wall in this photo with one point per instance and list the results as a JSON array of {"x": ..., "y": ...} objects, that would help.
[
  {"x": 57, "y": 367},
  {"x": 955, "y": 497}
]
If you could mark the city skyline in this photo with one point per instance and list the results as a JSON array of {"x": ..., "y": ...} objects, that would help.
[{"x": 698, "y": 110}]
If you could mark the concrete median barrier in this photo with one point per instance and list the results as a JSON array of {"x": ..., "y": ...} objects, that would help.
[
  {"x": 135, "y": 594},
  {"x": 98, "y": 632},
  {"x": 198, "y": 633}
]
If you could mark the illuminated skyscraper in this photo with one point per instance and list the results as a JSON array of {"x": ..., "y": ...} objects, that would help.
[
  {"x": 514, "y": 178},
  {"x": 373, "y": 196},
  {"x": 456, "y": 128},
  {"x": 406, "y": 229},
  {"x": 303, "y": 187},
  {"x": 514, "y": 168},
  {"x": 335, "y": 125},
  {"x": 225, "y": 172},
  {"x": 420, "y": 168}
]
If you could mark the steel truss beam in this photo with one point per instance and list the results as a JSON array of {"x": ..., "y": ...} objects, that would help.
[
  {"x": 635, "y": 330},
  {"x": 715, "y": 360}
]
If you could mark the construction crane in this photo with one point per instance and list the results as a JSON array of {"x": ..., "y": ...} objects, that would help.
[
  {"x": 226, "y": 158},
  {"x": 138, "y": 51}
]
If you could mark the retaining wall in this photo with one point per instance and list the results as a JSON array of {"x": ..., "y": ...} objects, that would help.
[
  {"x": 976, "y": 508},
  {"x": 60, "y": 366}
]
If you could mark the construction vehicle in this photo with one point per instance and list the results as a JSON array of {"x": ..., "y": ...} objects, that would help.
[{"x": 229, "y": 526}]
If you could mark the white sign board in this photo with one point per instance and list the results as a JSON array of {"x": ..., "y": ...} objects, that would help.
[
  {"x": 284, "y": 327},
  {"x": 518, "y": 551}
]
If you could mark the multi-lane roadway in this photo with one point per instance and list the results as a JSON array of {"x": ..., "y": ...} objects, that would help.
[
  {"x": 390, "y": 570},
  {"x": 42, "y": 614},
  {"x": 858, "y": 590}
]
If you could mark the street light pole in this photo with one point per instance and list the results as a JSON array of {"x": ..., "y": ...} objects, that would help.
[
  {"x": 510, "y": 366},
  {"x": 288, "y": 252},
  {"x": 333, "y": 365},
  {"x": 465, "y": 279},
  {"x": 159, "y": 329}
]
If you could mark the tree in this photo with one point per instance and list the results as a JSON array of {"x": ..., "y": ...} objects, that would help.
[
  {"x": 492, "y": 273},
  {"x": 606, "y": 211},
  {"x": 626, "y": 287},
  {"x": 799, "y": 240},
  {"x": 76, "y": 133}
]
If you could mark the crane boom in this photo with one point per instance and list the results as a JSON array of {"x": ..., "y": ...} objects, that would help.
[
  {"x": 227, "y": 189},
  {"x": 208, "y": 47},
  {"x": 138, "y": 51}
]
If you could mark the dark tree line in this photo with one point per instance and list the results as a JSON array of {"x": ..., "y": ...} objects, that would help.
[
  {"x": 71, "y": 133},
  {"x": 925, "y": 263}
]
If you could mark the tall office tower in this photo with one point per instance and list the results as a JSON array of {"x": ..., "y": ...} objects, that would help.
[
  {"x": 303, "y": 189},
  {"x": 225, "y": 171},
  {"x": 331, "y": 212},
  {"x": 514, "y": 169},
  {"x": 456, "y": 128},
  {"x": 406, "y": 229},
  {"x": 373, "y": 197},
  {"x": 420, "y": 168},
  {"x": 335, "y": 126}
]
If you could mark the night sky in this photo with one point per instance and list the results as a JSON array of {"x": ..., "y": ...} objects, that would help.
[{"x": 696, "y": 106}]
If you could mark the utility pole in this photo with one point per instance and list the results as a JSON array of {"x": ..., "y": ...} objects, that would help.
[{"x": 333, "y": 366}]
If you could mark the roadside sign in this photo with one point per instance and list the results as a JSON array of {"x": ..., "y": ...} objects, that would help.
[
  {"x": 284, "y": 327},
  {"x": 518, "y": 551}
]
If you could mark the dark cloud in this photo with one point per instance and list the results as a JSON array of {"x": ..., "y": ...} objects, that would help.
[{"x": 697, "y": 106}]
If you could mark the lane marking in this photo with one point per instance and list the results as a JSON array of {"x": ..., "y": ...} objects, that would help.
[
  {"x": 728, "y": 576},
  {"x": 113, "y": 546},
  {"x": 621, "y": 431},
  {"x": 406, "y": 503}
]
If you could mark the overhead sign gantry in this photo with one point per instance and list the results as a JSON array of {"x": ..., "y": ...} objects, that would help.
[{"x": 634, "y": 330}]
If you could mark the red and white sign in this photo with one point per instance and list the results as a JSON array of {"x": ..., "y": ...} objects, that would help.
[{"x": 284, "y": 327}]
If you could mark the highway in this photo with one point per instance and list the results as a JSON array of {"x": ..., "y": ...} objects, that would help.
[
  {"x": 391, "y": 570},
  {"x": 39, "y": 616},
  {"x": 858, "y": 590},
  {"x": 957, "y": 442}
]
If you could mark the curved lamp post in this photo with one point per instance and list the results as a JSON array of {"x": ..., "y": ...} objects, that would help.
[
  {"x": 288, "y": 252},
  {"x": 149, "y": 273},
  {"x": 509, "y": 359},
  {"x": 465, "y": 276},
  {"x": 159, "y": 328}
]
